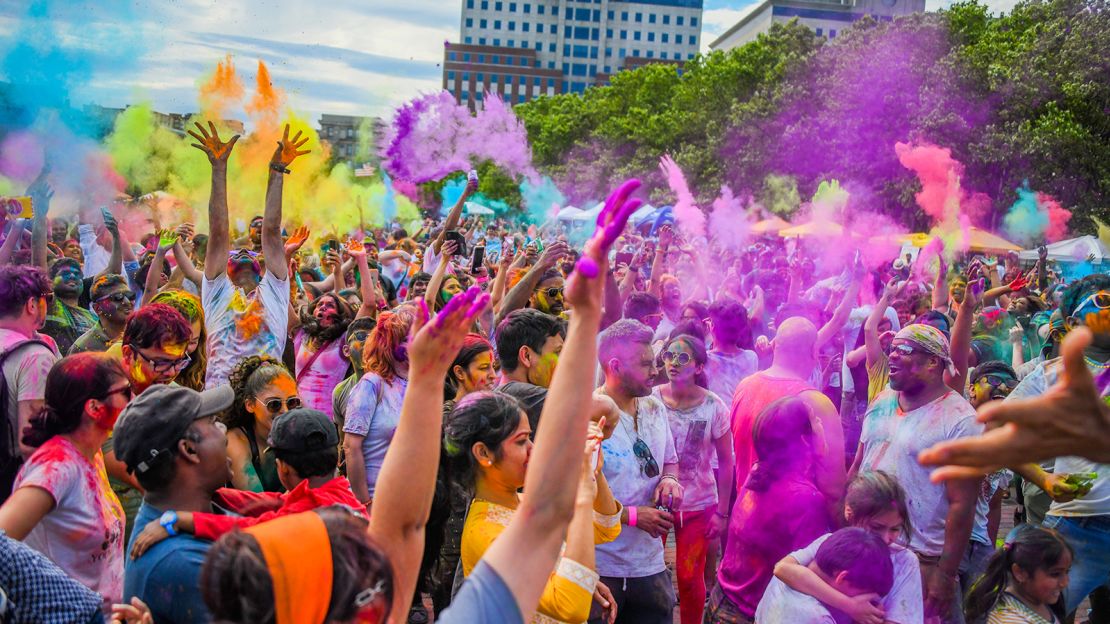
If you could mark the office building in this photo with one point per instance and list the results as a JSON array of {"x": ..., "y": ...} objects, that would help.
[
  {"x": 525, "y": 49},
  {"x": 341, "y": 133},
  {"x": 825, "y": 17}
]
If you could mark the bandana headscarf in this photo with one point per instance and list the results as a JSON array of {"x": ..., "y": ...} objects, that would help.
[
  {"x": 298, "y": 553},
  {"x": 928, "y": 339}
]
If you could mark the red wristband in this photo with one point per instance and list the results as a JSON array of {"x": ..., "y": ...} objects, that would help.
[{"x": 631, "y": 516}]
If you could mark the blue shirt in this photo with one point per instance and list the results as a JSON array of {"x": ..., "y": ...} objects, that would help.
[
  {"x": 484, "y": 597},
  {"x": 167, "y": 577}
]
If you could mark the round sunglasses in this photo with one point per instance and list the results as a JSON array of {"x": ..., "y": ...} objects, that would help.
[
  {"x": 275, "y": 404},
  {"x": 682, "y": 359}
]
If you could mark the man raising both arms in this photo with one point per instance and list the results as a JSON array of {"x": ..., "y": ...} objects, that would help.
[{"x": 246, "y": 311}]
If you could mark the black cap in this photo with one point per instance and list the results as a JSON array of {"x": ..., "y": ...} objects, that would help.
[
  {"x": 303, "y": 430},
  {"x": 150, "y": 426}
]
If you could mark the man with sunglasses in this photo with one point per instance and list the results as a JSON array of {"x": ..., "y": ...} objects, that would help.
[
  {"x": 917, "y": 411},
  {"x": 113, "y": 301},
  {"x": 641, "y": 466},
  {"x": 246, "y": 310},
  {"x": 1084, "y": 522},
  {"x": 26, "y": 357},
  {"x": 66, "y": 320}
]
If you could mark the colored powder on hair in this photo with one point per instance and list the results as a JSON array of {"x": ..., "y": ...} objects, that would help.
[{"x": 690, "y": 218}]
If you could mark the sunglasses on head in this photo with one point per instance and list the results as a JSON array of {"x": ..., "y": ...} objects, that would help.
[
  {"x": 682, "y": 359},
  {"x": 275, "y": 404},
  {"x": 647, "y": 461}
]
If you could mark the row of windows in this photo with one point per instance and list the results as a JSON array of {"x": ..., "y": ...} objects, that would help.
[
  {"x": 832, "y": 32},
  {"x": 336, "y": 132},
  {"x": 495, "y": 59},
  {"x": 505, "y": 97},
  {"x": 501, "y": 79},
  {"x": 500, "y": 6},
  {"x": 582, "y": 15}
]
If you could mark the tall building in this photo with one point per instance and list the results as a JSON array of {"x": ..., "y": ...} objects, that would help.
[
  {"x": 522, "y": 50},
  {"x": 341, "y": 133},
  {"x": 825, "y": 17}
]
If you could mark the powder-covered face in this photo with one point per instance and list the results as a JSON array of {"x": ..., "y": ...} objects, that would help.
[
  {"x": 155, "y": 364},
  {"x": 910, "y": 371},
  {"x": 326, "y": 312},
  {"x": 548, "y": 296},
  {"x": 115, "y": 304},
  {"x": 479, "y": 375},
  {"x": 451, "y": 287},
  {"x": 276, "y": 394},
  {"x": 543, "y": 367},
  {"x": 67, "y": 282},
  {"x": 679, "y": 363},
  {"x": 956, "y": 289}
]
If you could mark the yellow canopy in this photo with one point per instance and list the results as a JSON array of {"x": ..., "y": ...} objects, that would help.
[
  {"x": 813, "y": 228},
  {"x": 978, "y": 240},
  {"x": 769, "y": 226}
]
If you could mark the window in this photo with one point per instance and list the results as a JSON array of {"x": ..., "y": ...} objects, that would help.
[
  {"x": 608, "y": 70},
  {"x": 665, "y": 37},
  {"x": 624, "y": 34},
  {"x": 623, "y": 53},
  {"x": 636, "y": 35},
  {"x": 635, "y": 53},
  {"x": 820, "y": 32},
  {"x": 568, "y": 13},
  {"x": 450, "y": 75},
  {"x": 466, "y": 76},
  {"x": 608, "y": 52},
  {"x": 525, "y": 26},
  {"x": 832, "y": 33},
  {"x": 527, "y": 8},
  {"x": 597, "y": 15},
  {"x": 581, "y": 51},
  {"x": 608, "y": 33},
  {"x": 551, "y": 48},
  {"x": 539, "y": 27},
  {"x": 481, "y": 77},
  {"x": 478, "y": 96},
  {"x": 512, "y": 7},
  {"x": 593, "y": 52},
  {"x": 581, "y": 32},
  {"x": 639, "y": 17},
  {"x": 470, "y": 22},
  {"x": 610, "y": 16},
  {"x": 651, "y": 18},
  {"x": 496, "y": 41},
  {"x": 650, "y": 54},
  {"x": 483, "y": 24},
  {"x": 666, "y": 19},
  {"x": 481, "y": 41},
  {"x": 567, "y": 30},
  {"x": 497, "y": 24},
  {"x": 470, "y": 4},
  {"x": 520, "y": 98},
  {"x": 451, "y": 56},
  {"x": 466, "y": 57},
  {"x": 497, "y": 6},
  {"x": 693, "y": 22},
  {"x": 540, "y": 9},
  {"x": 510, "y": 42},
  {"x": 539, "y": 48},
  {"x": 678, "y": 20},
  {"x": 485, "y": 5},
  {"x": 566, "y": 68},
  {"x": 495, "y": 59},
  {"x": 651, "y": 36},
  {"x": 678, "y": 38},
  {"x": 512, "y": 25},
  {"x": 582, "y": 15},
  {"x": 508, "y": 60},
  {"x": 595, "y": 34},
  {"x": 566, "y": 49}
]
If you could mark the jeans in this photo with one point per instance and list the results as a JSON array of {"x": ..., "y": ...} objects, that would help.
[
  {"x": 1089, "y": 538},
  {"x": 643, "y": 600}
]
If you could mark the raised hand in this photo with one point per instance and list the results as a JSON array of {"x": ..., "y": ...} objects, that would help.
[
  {"x": 1017, "y": 334},
  {"x": 166, "y": 240},
  {"x": 434, "y": 343},
  {"x": 41, "y": 193},
  {"x": 217, "y": 150},
  {"x": 356, "y": 249},
  {"x": 288, "y": 149},
  {"x": 1020, "y": 282},
  {"x": 296, "y": 240},
  {"x": 185, "y": 231},
  {"x": 110, "y": 223}
]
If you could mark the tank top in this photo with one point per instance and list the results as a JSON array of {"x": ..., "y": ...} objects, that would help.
[{"x": 753, "y": 395}]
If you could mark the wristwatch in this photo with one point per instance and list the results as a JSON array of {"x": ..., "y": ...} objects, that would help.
[{"x": 167, "y": 521}]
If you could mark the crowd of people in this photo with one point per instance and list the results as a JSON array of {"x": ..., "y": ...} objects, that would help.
[{"x": 483, "y": 421}]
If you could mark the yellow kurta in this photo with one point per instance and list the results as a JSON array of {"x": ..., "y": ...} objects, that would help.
[{"x": 569, "y": 591}]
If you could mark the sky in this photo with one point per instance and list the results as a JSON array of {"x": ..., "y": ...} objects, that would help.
[{"x": 353, "y": 57}]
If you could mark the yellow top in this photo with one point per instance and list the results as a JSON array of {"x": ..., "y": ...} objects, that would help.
[{"x": 569, "y": 592}]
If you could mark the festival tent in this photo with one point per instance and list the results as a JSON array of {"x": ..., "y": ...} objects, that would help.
[
  {"x": 472, "y": 208},
  {"x": 769, "y": 226},
  {"x": 1073, "y": 250},
  {"x": 813, "y": 228},
  {"x": 645, "y": 213},
  {"x": 982, "y": 240},
  {"x": 568, "y": 213},
  {"x": 589, "y": 215}
]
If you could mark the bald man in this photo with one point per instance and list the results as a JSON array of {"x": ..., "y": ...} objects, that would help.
[{"x": 795, "y": 359}]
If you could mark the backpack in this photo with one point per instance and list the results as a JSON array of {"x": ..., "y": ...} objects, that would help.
[{"x": 9, "y": 436}]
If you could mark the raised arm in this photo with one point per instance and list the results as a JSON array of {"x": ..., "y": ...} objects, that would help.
[
  {"x": 11, "y": 243},
  {"x": 518, "y": 296},
  {"x": 658, "y": 264},
  {"x": 525, "y": 553},
  {"x": 431, "y": 293},
  {"x": 166, "y": 241},
  {"x": 961, "y": 336},
  {"x": 368, "y": 282},
  {"x": 871, "y": 325},
  {"x": 406, "y": 483},
  {"x": 219, "y": 238},
  {"x": 115, "y": 261},
  {"x": 452, "y": 220},
  {"x": 272, "y": 246},
  {"x": 505, "y": 264},
  {"x": 840, "y": 316},
  {"x": 185, "y": 263},
  {"x": 40, "y": 193}
]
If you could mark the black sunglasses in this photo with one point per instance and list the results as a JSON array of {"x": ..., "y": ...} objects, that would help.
[
  {"x": 553, "y": 292},
  {"x": 647, "y": 461},
  {"x": 275, "y": 404},
  {"x": 1000, "y": 381},
  {"x": 119, "y": 297}
]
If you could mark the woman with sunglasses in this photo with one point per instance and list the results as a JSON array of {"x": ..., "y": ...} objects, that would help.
[
  {"x": 62, "y": 505},
  {"x": 700, "y": 425},
  {"x": 263, "y": 390}
]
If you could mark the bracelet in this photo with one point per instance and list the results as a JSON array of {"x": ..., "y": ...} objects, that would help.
[
  {"x": 631, "y": 516},
  {"x": 672, "y": 477},
  {"x": 280, "y": 168}
]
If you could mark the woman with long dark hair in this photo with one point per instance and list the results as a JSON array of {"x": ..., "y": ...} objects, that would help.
[
  {"x": 263, "y": 390},
  {"x": 62, "y": 505},
  {"x": 778, "y": 510}
]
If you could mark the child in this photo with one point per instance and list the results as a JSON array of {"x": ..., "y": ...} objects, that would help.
[
  {"x": 852, "y": 561},
  {"x": 876, "y": 502},
  {"x": 1024, "y": 581},
  {"x": 305, "y": 442}
]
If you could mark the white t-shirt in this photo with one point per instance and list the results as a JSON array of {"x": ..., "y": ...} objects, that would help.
[
  {"x": 83, "y": 534},
  {"x": 25, "y": 372},
  {"x": 373, "y": 411},
  {"x": 781, "y": 604},
  {"x": 1095, "y": 503},
  {"x": 635, "y": 554},
  {"x": 990, "y": 486},
  {"x": 240, "y": 326},
  {"x": 693, "y": 431},
  {"x": 903, "y": 603},
  {"x": 891, "y": 441}
]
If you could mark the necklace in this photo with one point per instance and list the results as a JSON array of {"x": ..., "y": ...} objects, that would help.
[{"x": 1095, "y": 364}]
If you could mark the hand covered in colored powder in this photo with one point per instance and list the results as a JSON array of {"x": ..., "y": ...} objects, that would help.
[
  {"x": 217, "y": 150},
  {"x": 166, "y": 240},
  {"x": 289, "y": 149},
  {"x": 356, "y": 249},
  {"x": 296, "y": 240}
]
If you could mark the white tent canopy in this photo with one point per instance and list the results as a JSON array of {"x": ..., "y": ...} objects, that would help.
[
  {"x": 567, "y": 214},
  {"x": 472, "y": 208},
  {"x": 1073, "y": 250}
]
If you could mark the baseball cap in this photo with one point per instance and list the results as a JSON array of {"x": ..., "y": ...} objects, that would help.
[
  {"x": 303, "y": 430},
  {"x": 150, "y": 426}
]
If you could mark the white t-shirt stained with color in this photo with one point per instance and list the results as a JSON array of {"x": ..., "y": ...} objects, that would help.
[
  {"x": 694, "y": 430},
  {"x": 241, "y": 325},
  {"x": 635, "y": 554},
  {"x": 780, "y": 604}
]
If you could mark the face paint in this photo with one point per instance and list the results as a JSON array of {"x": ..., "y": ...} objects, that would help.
[{"x": 1098, "y": 322}]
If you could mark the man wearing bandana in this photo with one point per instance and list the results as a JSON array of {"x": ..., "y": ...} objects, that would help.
[
  {"x": 246, "y": 309},
  {"x": 917, "y": 411}
]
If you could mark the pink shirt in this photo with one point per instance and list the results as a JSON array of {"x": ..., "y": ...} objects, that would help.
[{"x": 315, "y": 385}]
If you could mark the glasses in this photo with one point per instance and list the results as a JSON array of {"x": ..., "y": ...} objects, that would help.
[
  {"x": 905, "y": 349},
  {"x": 119, "y": 297},
  {"x": 124, "y": 390},
  {"x": 165, "y": 366},
  {"x": 553, "y": 292},
  {"x": 1101, "y": 299},
  {"x": 240, "y": 252},
  {"x": 681, "y": 358},
  {"x": 647, "y": 461},
  {"x": 275, "y": 404},
  {"x": 1000, "y": 381}
]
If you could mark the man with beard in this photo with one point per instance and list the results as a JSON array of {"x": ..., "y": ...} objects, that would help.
[
  {"x": 917, "y": 411},
  {"x": 113, "y": 301},
  {"x": 66, "y": 320},
  {"x": 548, "y": 294},
  {"x": 246, "y": 312},
  {"x": 524, "y": 293},
  {"x": 641, "y": 466}
]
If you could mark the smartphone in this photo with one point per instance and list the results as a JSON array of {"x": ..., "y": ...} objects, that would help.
[
  {"x": 333, "y": 245},
  {"x": 623, "y": 257},
  {"x": 479, "y": 258},
  {"x": 19, "y": 207},
  {"x": 455, "y": 235}
]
